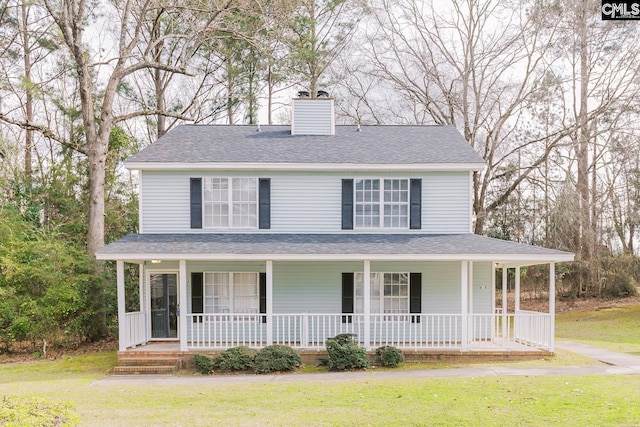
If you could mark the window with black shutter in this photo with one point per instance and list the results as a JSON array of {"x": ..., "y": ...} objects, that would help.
[
  {"x": 415, "y": 204},
  {"x": 347, "y": 204},
  {"x": 264, "y": 203},
  {"x": 197, "y": 294},
  {"x": 415, "y": 295},
  {"x": 347, "y": 296},
  {"x": 196, "y": 202}
]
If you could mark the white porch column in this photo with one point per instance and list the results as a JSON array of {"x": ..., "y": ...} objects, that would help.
[
  {"x": 269, "y": 296},
  {"x": 517, "y": 297},
  {"x": 470, "y": 287},
  {"x": 123, "y": 334},
  {"x": 471, "y": 332},
  {"x": 182, "y": 304},
  {"x": 552, "y": 306},
  {"x": 367, "y": 304},
  {"x": 505, "y": 306},
  {"x": 464, "y": 304}
]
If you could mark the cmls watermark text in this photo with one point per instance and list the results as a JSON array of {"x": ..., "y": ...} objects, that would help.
[{"x": 620, "y": 10}]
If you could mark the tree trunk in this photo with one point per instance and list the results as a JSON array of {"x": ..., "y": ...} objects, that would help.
[
  {"x": 28, "y": 141},
  {"x": 582, "y": 152}
]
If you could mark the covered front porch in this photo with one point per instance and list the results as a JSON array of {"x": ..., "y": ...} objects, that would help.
[
  {"x": 296, "y": 295},
  {"x": 495, "y": 328}
]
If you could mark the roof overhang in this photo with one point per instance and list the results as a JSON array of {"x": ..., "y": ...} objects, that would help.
[
  {"x": 340, "y": 167},
  {"x": 327, "y": 247}
]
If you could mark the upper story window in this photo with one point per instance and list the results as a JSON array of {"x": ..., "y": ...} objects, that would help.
[
  {"x": 381, "y": 203},
  {"x": 230, "y": 202}
]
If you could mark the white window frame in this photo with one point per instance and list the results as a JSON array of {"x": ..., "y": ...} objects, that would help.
[
  {"x": 231, "y": 296},
  {"x": 381, "y": 203},
  {"x": 378, "y": 299},
  {"x": 233, "y": 218}
]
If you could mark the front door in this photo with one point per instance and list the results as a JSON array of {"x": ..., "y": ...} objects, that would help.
[{"x": 164, "y": 305}]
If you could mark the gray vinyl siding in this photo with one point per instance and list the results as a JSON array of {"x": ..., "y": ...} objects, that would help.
[
  {"x": 441, "y": 291},
  {"x": 482, "y": 295},
  {"x": 313, "y": 287},
  {"x": 164, "y": 202},
  {"x": 446, "y": 202},
  {"x": 304, "y": 202},
  {"x": 313, "y": 117}
]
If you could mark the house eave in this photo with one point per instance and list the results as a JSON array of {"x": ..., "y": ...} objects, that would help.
[
  {"x": 500, "y": 259},
  {"x": 340, "y": 167}
]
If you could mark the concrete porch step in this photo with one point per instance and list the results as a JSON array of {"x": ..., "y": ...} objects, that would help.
[{"x": 148, "y": 370}]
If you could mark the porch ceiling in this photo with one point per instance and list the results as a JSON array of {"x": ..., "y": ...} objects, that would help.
[{"x": 414, "y": 247}]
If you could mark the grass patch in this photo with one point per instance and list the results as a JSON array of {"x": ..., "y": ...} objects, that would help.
[
  {"x": 498, "y": 401},
  {"x": 615, "y": 328},
  {"x": 36, "y": 412}
]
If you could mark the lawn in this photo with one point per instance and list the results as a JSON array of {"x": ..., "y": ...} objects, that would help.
[
  {"x": 615, "y": 328},
  {"x": 490, "y": 401}
]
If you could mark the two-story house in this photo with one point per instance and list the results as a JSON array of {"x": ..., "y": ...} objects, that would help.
[{"x": 293, "y": 234}]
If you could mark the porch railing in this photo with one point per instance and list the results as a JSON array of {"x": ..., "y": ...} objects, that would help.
[
  {"x": 406, "y": 331},
  {"x": 135, "y": 323}
]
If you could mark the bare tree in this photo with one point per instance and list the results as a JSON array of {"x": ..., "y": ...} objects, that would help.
[
  {"x": 458, "y": 66},
  {"x": 321, "y": 30}
]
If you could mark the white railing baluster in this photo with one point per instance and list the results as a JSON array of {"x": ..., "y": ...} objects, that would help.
[{"x": 406, "y": 331}]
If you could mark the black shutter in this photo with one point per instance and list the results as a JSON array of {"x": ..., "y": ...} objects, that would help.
[
  {"x": 264, "y": 203},
  {"x": 262, "y": 295},
  {"x": 415, "y": 197},
  {"x": 197, "y": 294},
  {"x": 415, "y": 295},
  {"x": 347, "y": 204},
  {"x": 347, "y": 296},
  {"x": 196, "y": 202}
]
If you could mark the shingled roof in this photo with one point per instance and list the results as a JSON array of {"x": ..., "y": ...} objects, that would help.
[
  {"x": 367, "y": 145},
  {"x": 326, "y": 246}
]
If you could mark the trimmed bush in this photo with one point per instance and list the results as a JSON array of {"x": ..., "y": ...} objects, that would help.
[
  {"x": 389, "y": 356},
  {"x": 344, "y": 354},
  {"x": 204, "y": 364},
  {"x": 235, "y": 359},
  {"x": 276, "y": 358}
]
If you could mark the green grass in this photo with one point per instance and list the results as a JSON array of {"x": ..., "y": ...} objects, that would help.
[
  {"x": 490, "y": 401},
  {"x": 497, "y": 401},
  {"x": 616, "y": 329}
]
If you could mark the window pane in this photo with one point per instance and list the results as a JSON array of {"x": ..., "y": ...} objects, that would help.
[
  {"x": 245, "y": 293},
  {"x": 396, "y": 203},
  {"x": 367, "y": 204},
  {"x": 245, "y": 203}
]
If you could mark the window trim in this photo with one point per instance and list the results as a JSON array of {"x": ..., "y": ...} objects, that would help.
[
  {"x": 381, "y": 203},
  {"x": 230, "y": 203}
]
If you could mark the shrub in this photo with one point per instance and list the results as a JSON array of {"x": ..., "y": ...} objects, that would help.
[
  {"x": 204, "y": 364},
  {"x": 389, "y": 356},
  {"x": 235, "y": 359},
  {"x": 619, "y": 284},
  {"x": 344, "y": 354},
  {"x": 277, "y": 358}
]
